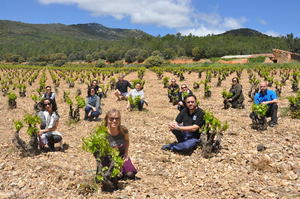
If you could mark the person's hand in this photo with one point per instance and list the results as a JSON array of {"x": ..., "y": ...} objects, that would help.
[
  {"x": 94, "y": 109},
  {"x": 41, "y": 132},
  {"x": 265, "y": 103},
  {"x": 173, "y": 126}
]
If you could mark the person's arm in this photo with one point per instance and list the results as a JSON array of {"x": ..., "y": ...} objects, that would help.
[
  {"x": 273, "y": 97},
  {"x": 97, "y": 103},
  {"x": 126, "y": 145},
  {"x": 237, "y": 93},
  {"x": 53, "y": 96},
  {"x": 256, "y": 101},
  {"x": 192, "y": 128},
  {"x": 51, "y": 128},
  {"x": 129, "y": 85},
  {"x": 142, "y": 94}
]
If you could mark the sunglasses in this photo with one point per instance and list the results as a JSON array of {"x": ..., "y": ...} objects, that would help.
[
  {"x": 46, "y": 104},
  {"x": 111, "y": 119},
  {"x": 183, "y": 87}
]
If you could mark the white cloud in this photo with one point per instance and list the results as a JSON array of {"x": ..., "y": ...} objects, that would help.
[
  {"x": 201, "y": 31},
  {"x": 174, "y": 14},
  {"x": 262, "y": 22},
  {"x": 272, "y": 33},
  {"x": 232, "y": 23},
  {"x": 166, "y": 13}
]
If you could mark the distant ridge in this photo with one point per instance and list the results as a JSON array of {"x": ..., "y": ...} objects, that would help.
[
  {"x": 83, "y": 31},
  {"x": 243, "y": 32}
]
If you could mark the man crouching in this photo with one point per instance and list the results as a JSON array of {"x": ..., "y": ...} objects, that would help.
[{"x": 186, "y": 127}]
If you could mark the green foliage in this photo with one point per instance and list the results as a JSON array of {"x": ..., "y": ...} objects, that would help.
[
  {"x": 136, "y": 81},
  {"x": 165, "y": 81},
  {"x": 134, "y": 102},
  {"x": 97, "y": 143},
  {"x": 259, "y": 59},
  {"x": 295, "y": 105},
  {"x": 212, "y": 124},
  {"x": 18, "y": 125},
  {"x": 11, "y": 96},
  {"x": 32, "y": 121},
  {"x": 153, "y": 61},
  {"x": 35, "y": 98},
  {"x": 100, "y": 63},
  {"x": 260, "y": 109},
  {"x": 226, "y": 94},
  {"x": 80, "y": 101}
]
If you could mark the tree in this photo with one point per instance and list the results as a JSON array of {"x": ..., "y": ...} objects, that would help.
[
  {"x": 143, "y": 54},
  {"x": 131, "y": 55},
  {"x": 169, "y": 53},
  {"x": 154, "y": 61},
  {"x": 198, "y": 53},
  {"x": 100, "y": 63},
  {"x": 112, "y": 55}
]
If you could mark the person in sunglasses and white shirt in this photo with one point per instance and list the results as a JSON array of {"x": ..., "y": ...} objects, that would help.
[
  {"x": 186, "y": 127},
  {"x": 49, "y": 117}
]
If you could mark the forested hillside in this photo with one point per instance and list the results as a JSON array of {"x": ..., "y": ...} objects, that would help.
[{"x": 21, "y": 42}]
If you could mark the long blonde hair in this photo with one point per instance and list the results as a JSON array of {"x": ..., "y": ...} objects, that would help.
[{"x": 121, "y": 128}]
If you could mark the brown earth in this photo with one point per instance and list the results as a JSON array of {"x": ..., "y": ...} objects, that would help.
[{"x": 238, "y": 171}]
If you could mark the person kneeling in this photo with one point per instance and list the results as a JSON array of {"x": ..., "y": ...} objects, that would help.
[
  {"x": 92, "y": 110},
  {"x": 49, "y": 116},
  {"x": 186, "y": 127}
]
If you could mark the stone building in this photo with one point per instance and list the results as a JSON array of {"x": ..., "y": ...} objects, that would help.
[{"x": 282, "y": 56}]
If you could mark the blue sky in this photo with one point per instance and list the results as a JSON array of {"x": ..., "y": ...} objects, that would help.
[{"x": 160, "y": 17}]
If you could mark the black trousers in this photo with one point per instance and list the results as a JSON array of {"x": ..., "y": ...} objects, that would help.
[{"x": 271, "y": 112}]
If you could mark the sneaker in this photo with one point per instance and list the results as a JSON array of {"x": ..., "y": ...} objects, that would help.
[
  {"x": 272, "y": 124},
  {"x": 166, "y": 147}
]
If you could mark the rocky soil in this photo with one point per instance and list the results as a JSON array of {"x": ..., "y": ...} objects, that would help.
[{"x": 238, "y": 171}]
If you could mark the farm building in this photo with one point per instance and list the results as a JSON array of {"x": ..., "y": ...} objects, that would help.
[{"x": 281, "y": 56}]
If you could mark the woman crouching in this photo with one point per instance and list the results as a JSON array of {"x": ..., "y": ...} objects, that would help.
[
  {"x": 49, "y": 116},
  {"x": 119, "y": 138}
]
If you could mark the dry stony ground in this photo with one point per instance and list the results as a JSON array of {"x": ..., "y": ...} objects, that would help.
[{"x": 238, "y": 171}]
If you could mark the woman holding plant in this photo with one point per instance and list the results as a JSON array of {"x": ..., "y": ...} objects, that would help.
[
  {"x": 136, "y": 96},
  {"x": 119, "y": 138},
  {"x": 49, "y": 116},
  {"x": 237, "y": 98}
]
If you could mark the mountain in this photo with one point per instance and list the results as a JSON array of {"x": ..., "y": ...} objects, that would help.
[
  {"x": 88, "y": 31},
  {"x": 243, "y": 32}
]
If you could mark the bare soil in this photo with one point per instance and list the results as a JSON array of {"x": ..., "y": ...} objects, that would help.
[{"x": 238, "y": 171}]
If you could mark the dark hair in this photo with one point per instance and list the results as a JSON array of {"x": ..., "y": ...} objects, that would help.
[
  {"x": 54, "y": 107},
  {"x": 89, "y": 90},
  {"x": 237, "y": 79},
  {"x": 48, "y": 87},
  {"x": 190, "y": 96}
]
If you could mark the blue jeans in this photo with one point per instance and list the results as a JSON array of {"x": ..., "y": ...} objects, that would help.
[
  {"x": 186, "y": 141},
  {"x": 93, "y": 114}
]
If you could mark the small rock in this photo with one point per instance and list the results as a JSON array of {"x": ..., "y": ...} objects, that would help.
[
  {"x": 261, "y": 147},
  {"x": 2, "y": 166}
]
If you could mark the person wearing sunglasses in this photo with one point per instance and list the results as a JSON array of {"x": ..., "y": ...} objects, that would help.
[
  {"x": 49, "y": 117},
  {"x": 186, "y": 127},
  {"x": 185, "y": 91},
  {"x": 98, "y": 90},
  {"x": 237, "y": 99},
  {"x": 119, "y": 138}
]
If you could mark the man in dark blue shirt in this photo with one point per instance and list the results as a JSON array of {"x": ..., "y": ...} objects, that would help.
[
  {"x": 186, "y": 127},
  {"x": 269, "y": 97},
  {"x": 122, "y": 88}
]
